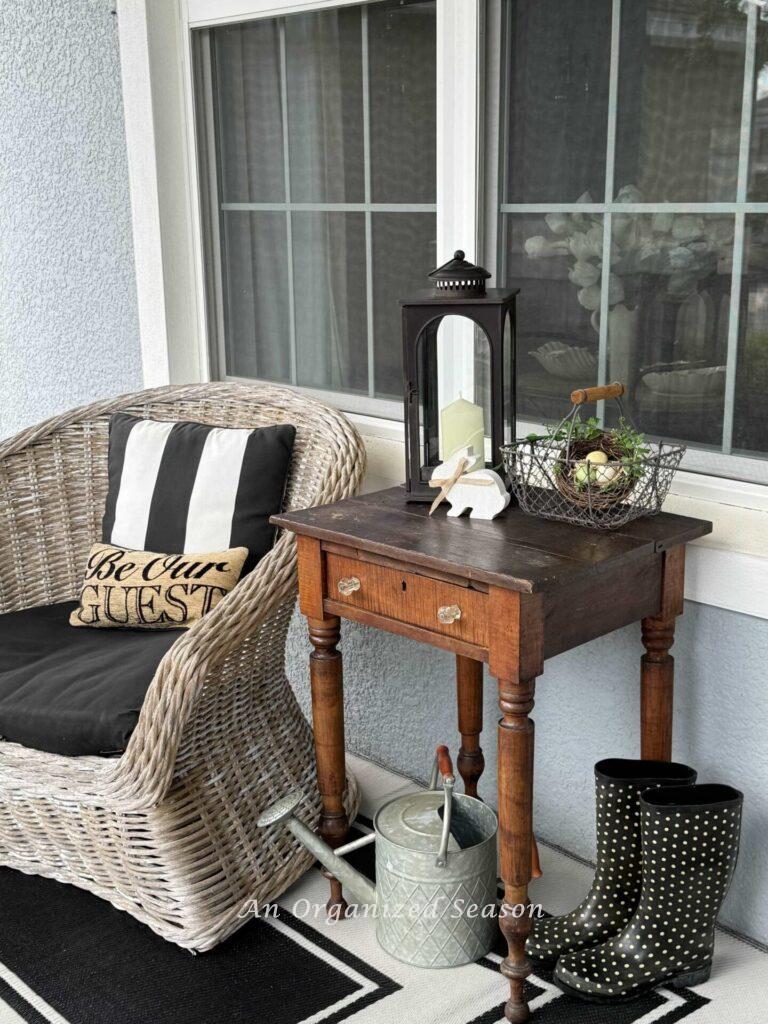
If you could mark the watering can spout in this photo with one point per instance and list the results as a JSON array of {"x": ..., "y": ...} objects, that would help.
[{"x": 282, "y": 812}]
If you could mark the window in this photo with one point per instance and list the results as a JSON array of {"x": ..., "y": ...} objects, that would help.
[
  {"x": 632, "y": 211},
  {"x": 565, "y": 98},
  {"x": 318, "y": 167}
]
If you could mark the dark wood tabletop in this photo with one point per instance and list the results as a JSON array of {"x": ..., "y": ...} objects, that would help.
[{"x": 514, "y": 551}]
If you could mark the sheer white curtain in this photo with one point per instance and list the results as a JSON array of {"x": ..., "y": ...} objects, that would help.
[
  {"x": 321, "y": 127},
  {"x": 250, "y": 156},
  {"x": 325, "y": 128},
  {"x": 290, "y": 127}
]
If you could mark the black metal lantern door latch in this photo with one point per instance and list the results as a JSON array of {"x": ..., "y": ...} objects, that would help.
[{"x": 459, "y": 289}]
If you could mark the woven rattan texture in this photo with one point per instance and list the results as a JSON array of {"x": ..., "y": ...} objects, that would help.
[{"x": 168, "y": 830}]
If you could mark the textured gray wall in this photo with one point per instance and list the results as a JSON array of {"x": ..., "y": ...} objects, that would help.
[
  {"x": 68, "y": 316},
  {"x": 400, "y": 702}
]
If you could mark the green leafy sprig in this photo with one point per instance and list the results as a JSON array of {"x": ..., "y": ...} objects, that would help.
[{"x": 630, "y": 443}]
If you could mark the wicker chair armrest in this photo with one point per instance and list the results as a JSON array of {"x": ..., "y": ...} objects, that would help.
[
  {"x": 147, "y": 766},
  {"x": 51, "y": 501}
]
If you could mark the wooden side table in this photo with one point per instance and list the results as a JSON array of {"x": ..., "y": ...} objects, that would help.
[{"x": 511, "y": 593}]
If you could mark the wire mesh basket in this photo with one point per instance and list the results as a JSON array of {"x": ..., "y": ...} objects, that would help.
[{"x": 590, "y": 476}]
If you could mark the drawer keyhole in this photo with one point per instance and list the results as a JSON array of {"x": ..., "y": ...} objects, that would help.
[{"x": 404, "y": 585}]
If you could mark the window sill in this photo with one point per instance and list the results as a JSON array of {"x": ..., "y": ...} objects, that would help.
[{"x": 727, "y": 569}]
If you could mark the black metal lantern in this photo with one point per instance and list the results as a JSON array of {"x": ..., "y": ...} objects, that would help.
[{"x": 440, "y": 422}]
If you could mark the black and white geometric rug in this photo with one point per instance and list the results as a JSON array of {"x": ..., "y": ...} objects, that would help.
[{"x": 67, "y": 957}]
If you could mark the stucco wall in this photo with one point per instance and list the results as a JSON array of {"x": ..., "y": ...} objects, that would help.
[
  {"x": 400, "y": 702},
  {"x": 68, "y": 319}
]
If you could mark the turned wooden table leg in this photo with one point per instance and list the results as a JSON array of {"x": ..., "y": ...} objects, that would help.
[
  {"x": 658, "y": 666},
  {"x": 469, "y": 692},
  {"x": 515, "y": 834},
  {"x": 656, "y": 690},
  {"x": 328, "y": 724}
]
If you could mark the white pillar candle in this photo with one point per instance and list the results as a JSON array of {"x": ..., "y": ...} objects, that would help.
[{"x": 462, "y": 424}]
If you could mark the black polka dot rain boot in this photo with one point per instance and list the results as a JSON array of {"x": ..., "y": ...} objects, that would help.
[
  {"x": 615, "y": 889},
  {"x": 690, "y": 840}
]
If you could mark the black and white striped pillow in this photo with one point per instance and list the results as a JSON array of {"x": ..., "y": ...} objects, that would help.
[{"x": 181, "y": 487}]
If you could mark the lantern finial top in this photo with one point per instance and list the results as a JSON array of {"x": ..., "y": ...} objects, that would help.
[{"x": 459, "y": 279}]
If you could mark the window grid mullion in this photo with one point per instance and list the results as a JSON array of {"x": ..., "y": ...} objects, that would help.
[
  {"x": 613, "y": 102},
  {"x": 288, "y": 214},
  {"x": 502, "y": 162},
  {"x": 739, "y": 236},
  {"x": 336, "y": 207},
  {"x": 610, "y": 159},
  {"x": 720, "y": 208},
  {"x": 733, "y": 332},
  {"x": 368, "y": 215},
  {"x": 747, "y": 105},
  {"x": 602, "y": 340}
]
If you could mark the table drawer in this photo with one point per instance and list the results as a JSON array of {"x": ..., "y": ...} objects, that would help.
[{"x": 442, "y": 607}]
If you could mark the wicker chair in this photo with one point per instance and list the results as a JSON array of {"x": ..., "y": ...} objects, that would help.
[{"x": 167, "y": 830}]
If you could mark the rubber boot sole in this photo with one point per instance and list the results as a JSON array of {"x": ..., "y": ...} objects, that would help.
[{"x": 683, "y": 979}]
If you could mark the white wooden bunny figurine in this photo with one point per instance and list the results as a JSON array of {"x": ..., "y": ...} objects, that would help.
[{"x": 483, "y": 491}]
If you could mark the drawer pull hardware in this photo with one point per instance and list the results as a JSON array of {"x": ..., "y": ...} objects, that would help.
[
  {"x": 448, "y": 613},
  {"x": 349, "y": 585}
]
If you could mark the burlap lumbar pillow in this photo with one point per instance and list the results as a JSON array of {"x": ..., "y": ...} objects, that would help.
[{"x": 153, "y": 591}]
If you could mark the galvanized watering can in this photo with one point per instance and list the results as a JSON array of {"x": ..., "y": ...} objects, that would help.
[{"x": 435, "y": 893}]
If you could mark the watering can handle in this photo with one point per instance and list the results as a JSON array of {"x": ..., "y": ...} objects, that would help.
[
  {"x": 445, "y": 768},
  {"x": 444, "y": 763}
]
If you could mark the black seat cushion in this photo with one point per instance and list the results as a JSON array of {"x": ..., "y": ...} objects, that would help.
[{"x": 73, "y": 691}]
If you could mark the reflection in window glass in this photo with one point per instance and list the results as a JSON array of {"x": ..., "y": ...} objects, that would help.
[
  {"x": 750, "y": 419},
  {"x": 402, "y": 247},
  {"x": 557, "y": 99},
  {"x": 689, "y": 147},
  {"x": 758, "y": 168},
  {"x": 680, "y": 93},
  {"x": 668, "y": 321},
  {"x": 555, "y": 260},
  {"x": 402, "y": 53}
]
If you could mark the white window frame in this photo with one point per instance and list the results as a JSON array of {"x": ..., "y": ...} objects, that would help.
[{"x": 156, "y": 67}]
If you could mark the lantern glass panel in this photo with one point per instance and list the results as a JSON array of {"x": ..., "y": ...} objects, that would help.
[
  {"x": 482, "y": 382},
  {"x": 454, "y": 391},
  {"x": 508, "y": 369},
  {"x": 426, "y": 354}
]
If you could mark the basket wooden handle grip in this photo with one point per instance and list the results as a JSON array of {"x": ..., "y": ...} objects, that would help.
[
  {"x": 444, "y": 763},
  {"x": 581, "y": 395}
]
